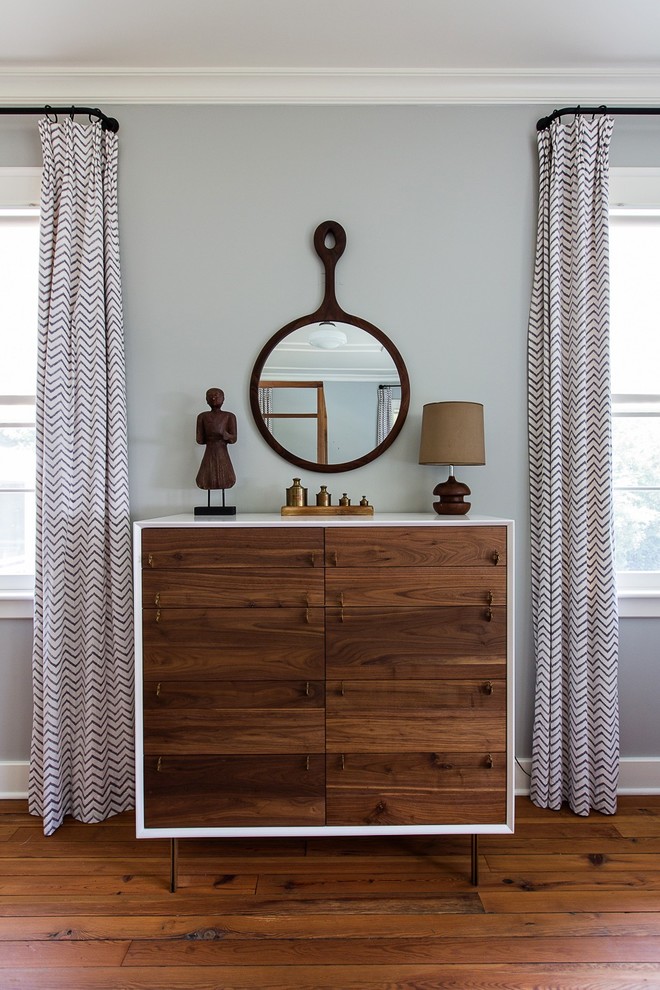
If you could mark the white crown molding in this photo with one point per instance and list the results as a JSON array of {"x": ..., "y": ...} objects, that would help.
[{"x": 91, "y": 86}]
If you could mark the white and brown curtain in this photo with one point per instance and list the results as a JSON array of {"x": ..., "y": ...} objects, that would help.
[
  {"x": 82, "y": 740},
  {"x": 576, "y": 741},
  {"x": 383, "y": 413},
  {"x": 265, "y": 396}
]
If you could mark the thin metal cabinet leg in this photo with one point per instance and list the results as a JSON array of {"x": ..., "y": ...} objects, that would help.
[
  {"x": 174, "y": 864},
  {"x": 474, "y": 865}
]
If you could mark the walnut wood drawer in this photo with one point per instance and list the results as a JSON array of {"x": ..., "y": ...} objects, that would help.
[
  {"x": 368, "y": 696},
  {"x": 417, "y": 546},
  {"x": 233, "y": 587},
  {"x": 233, "y": 695},
  {"x": 201, "y": 791},
  {"x": 413, "y": 730},
  {"x": 455, "y": 641},
  {"x": 416, "y": 586},
  {"x": 226, "y": 644},
  {"x": 220, "y": 731},
  {"x": 184, "y": 547},
  {"x": 415, "y": 788}
]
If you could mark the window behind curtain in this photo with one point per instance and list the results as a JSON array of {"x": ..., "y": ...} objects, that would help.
[
  {"x": 635, "y": 343},
  {"x": 19, "y": 262}
]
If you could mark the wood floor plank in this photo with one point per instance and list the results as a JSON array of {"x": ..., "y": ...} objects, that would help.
[
  {"x": 570, "y": 901},
  {"x": 394, "y": 951},
  {"x": 211, "y": 927},
  {"x": 70, "y": 847},
  {"x": 70, "y": 954},
  {"x": 89, "y": 834},
  {"x": 99, "y": 866},
  {"x": 348, "y": 977},
  {"x": 164, "y": 906},
  {"x": 374, "y": 884},
  {"x": 534, "y": 845},
  {"x": 612, "y": 880},
  {"x": 641, "y": 826},
  {"x": 560, "y": 828},
  {"x": 67, "y": 840},
  {"x": 95, "y": 884},
  {"x": 567, "y": 861}
]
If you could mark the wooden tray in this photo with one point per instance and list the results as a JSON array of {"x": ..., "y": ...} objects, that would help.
[{"x": 327, "y": 510}]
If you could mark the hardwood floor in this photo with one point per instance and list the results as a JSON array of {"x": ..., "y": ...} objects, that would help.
[{"x": 566, "y": 903}]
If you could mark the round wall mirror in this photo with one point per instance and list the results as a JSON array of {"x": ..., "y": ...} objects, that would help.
[{"x": 329, "y": 391}]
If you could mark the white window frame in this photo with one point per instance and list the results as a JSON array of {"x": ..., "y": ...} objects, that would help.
[
  {"x": 636, "y": 188},
  {"x": 20, "y": 189}
]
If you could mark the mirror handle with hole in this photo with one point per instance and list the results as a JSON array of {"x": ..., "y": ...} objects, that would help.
[{"x": 329, "y": 244}]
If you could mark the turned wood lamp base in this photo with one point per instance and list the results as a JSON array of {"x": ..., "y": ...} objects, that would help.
[
  {"x": 452, "y": 433},
  {"x": 451, "y": 497}
]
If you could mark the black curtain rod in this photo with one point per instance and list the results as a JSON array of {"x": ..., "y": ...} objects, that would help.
[
  {"x": 108, "y": 123},
  {"x": 545, "y": 122}
]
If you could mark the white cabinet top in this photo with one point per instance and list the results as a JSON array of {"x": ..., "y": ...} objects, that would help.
[{"x": 275, "y": 519}]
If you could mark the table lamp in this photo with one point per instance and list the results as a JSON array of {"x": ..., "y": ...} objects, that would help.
[{"x": 452, "y": 433}]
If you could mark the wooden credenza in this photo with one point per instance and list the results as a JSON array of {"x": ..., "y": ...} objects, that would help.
[{"x": 323, "y": 676}]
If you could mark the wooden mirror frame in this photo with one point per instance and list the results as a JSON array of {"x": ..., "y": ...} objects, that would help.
[{"x": 329, "y": 310}]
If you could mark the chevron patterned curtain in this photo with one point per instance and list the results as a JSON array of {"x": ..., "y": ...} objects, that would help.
[
  {"x": 82, "y": 738},
  {"x": 383, "y": 413},
  {"x": 575, "y": 755}
]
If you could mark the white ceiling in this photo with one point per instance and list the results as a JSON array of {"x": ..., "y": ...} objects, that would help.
[{"x": 409, "y": 51}]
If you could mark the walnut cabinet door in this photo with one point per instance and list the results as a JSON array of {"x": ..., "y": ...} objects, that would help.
[
  {"x": 233, "y": 677},
  {"x": 416, "y": 675}
]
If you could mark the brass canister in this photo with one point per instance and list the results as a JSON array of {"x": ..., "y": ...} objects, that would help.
[
  {"x": 296, "y": 494},
  {"x": 323, "y": 497}
]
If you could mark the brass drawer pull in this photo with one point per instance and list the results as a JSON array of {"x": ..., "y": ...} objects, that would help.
[
  {"x": 335, "y": 559},
  {"x": 307, "y": 764},
  {"x": 158, "y": 690},
  {"x": 488, "y": 687},
  {"x": 495, "y": 557},
  {"x": 158, "y": 616},
  {"x": 307, "y": 691},
  {"x": 158, "y": 765},
  {"x": 343, "y": 762},
  {"x": 489, "y": 762},
  {"x": 489, "y": 598},
  {"x": 157, "y": 599},
  {"x": 342, "y": 690},
  {"x": 150, "y": 560},
  {"x": 489, "y": 615}
]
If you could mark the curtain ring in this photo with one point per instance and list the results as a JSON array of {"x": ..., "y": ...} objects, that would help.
[{"x": 49, "y": 110}]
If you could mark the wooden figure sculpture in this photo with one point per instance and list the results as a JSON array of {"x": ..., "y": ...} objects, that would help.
[{"x": 216, "y": 428}]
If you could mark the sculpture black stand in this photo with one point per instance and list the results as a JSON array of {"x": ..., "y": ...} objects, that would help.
[{"x": 215, "y": 510}]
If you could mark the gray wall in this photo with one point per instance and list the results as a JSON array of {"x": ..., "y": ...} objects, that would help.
[{"x": 217, "y": 208}]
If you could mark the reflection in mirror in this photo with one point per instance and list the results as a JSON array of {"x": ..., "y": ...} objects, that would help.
[
  {"x": 329, "y": 391},
  {"x": 329, "y": 404}
]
